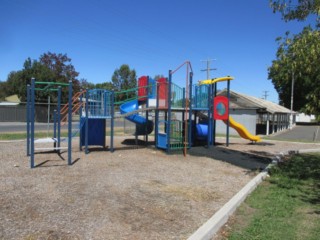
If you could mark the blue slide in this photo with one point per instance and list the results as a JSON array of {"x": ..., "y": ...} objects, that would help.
[
  {"x": 143, "y": 125},
  {"x": 201, "y": 131}
]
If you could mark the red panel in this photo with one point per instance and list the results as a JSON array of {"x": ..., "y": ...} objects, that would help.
[
  {"x": 221, "y": 108},
  {"x": 162, "y": 92},
  {"x": 142, "y": 88}
]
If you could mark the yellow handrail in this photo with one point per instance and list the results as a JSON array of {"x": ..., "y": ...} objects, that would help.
[{"x": 215, "y": 80}]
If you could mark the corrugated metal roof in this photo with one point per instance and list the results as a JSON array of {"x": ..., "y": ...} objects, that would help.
[{"x": 242, "y": 101}]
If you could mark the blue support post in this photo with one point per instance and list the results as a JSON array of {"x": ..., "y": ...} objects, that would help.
[
  {"x": 59, "y": 117},
  {"x": 169, "y": 111},
  {"x": 28, "y": 120},
  {"x": 190, "y": 110},
  {"x": 70, "y": 124},
  {"x": 156, "y": 121},
  {"x": 211, "y": 119},
  {"x": 112, "y": 122},
  {"x": 209, "y": 116},
  {"x": 80, "y": 125},
  {"x": 183, "y": 116},
  {"x": 214, "y": 122},
  {"x": 228, "y": 121},
  {"x": 32, "y": 112},
  {"x": 147, "y": 112},
  {"x": 87, "y": 122},
  {"x": 55, "y": 129}
]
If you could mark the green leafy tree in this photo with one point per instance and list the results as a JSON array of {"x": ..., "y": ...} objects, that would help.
[
  {"x": 84, "y": 84},
  {"x": 296, "y": 9},
  {"x": 50, "y": 67},
  {"x": 3, "y": 90},
  {"x": 105, "y": 85},
  {"x": 124, "y": 78},
  {"x": 62, "y": 69},
  {"x": 158, "y": 76},
  {"x": 298, "y": 59}
]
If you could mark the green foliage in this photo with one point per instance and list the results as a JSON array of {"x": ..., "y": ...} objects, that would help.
[
  {"x": 285, "y": 207},
  {"x": 105, "y": 85},
  {"x": 3, "y": 90},
  {"x": 298, "y": 10},
  {"x": 298, "y": 57},
  {"x": 300, "y": 167},
  {"x": 50, "y": 67},
  {"x": 84, "y": 84},
  {"x": 123, "y": 79}
]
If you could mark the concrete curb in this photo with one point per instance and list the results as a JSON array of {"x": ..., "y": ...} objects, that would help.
[{"x": 212, "y": 226}]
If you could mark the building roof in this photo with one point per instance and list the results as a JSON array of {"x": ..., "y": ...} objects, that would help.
[
  {"x": 13, "y": 99},
  {"x": 242, "y": 101}
]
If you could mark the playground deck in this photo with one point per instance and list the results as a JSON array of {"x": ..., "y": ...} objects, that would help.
[{"x": 133, "y": 193}]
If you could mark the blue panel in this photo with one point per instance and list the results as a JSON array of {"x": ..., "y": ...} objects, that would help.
[
  {"x": 201, "y": 131},
  {"x": 162, "y": 141},
  {"x": 96, "y": 132},
  {"x": 152, "y": 88}
]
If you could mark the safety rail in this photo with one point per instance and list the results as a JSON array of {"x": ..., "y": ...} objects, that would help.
[
  {"x": 75, "y": 97},
  {"x": 130, "y": 94}
]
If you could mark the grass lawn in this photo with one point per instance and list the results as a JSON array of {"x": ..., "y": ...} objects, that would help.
[
  {"x": 23, "y": 135},
  {"x": 286, "y": 206}
]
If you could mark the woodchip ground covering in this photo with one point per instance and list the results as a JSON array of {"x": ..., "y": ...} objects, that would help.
[{"x": 133, "y": 193}]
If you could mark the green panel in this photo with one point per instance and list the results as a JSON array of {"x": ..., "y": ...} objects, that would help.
[
  {"x": 200, "y": 96},
  {"x": 177, "y": 96},
  {"x": 176, "y": 137}
]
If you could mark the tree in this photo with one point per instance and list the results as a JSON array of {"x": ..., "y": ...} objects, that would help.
[
  {"x": 50, "y": 67},
  {"x": 62, "y": 69},
  {"x": 123, "y": 79},
  {"x": 298, "y": 58},
  {"x": 298, "y": 9},
  {"x": 105, "y": 85},
  {"x": 84, "y": 84},
  {"x": 3, "y": 90}
]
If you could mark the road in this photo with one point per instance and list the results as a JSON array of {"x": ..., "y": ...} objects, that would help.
[
  {"x": 301, "y": 133},
  {"x": 7, "y": 127}
]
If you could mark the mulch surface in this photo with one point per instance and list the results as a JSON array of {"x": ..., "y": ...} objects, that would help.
[{"x": 133, "y": 193}]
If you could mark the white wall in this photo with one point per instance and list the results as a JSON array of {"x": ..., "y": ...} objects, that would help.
[{"x": 245, "y": 117}]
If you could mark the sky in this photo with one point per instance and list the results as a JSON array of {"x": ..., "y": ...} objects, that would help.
[{"x": 151, "y": 36}]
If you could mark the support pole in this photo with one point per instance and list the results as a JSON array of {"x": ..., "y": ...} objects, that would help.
[
  {"x": 190, "y": 110},
  {"x": 59, "y": 117},
  {"x": 147, "y": 113},
  {"x": 169, "y": 111},
  {"x": 228, "y": 121},
  {"x": 80, "y": 119},
  {"x": 70, "y": 124},
  {"x": 55, "y": 129},
  {"x": 112, "y": 122},
  {"x": 87, "y": 122},
  {"x": 32, "y": 122},
  {"x": 28, "y": 120},
  {"x": 156, "y": 121},
  {"x": 210, "y": 110},
  {"x": 214, "y": 122}
]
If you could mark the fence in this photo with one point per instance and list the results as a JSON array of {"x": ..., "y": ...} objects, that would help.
[{"x": 18, "y": 113}]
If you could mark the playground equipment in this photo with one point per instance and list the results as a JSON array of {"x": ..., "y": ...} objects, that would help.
[
  {"x": 98, "y": 107},
  {"x": 221, "y": 112},
  {"x": 56, "y": 139},
  {"x": 243, "y": 132},
  {"x": 183, "y": 116}
]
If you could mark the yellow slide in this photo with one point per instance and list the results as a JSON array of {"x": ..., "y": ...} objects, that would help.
[{"x": 243, "y": 132}]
